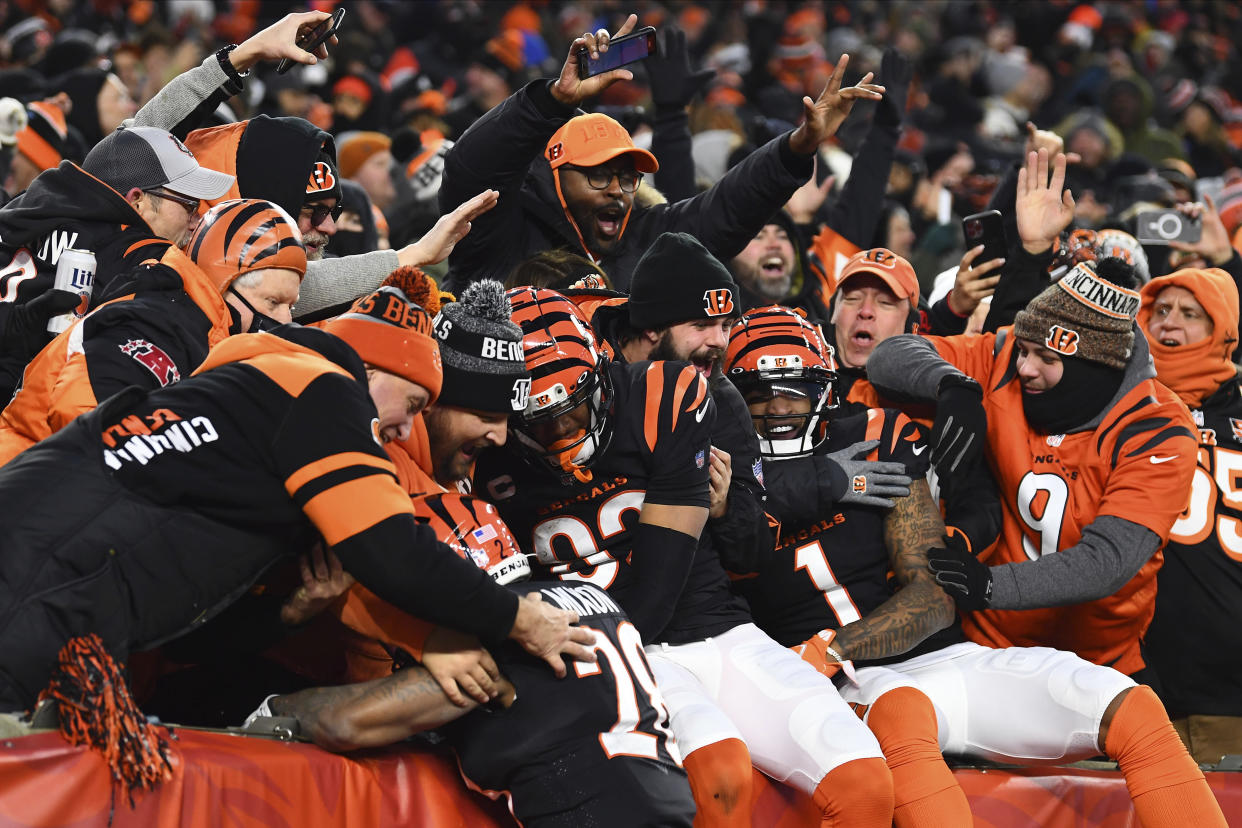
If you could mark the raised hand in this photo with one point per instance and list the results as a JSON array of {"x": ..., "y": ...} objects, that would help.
[
  {"x": 438, "y": 242},
  {"x": 808, "y": 198},
  {"x": 674, "y": 82},
  {"x": 1044, "y": 208},
  {"x": 1213, "y": 244},
  {"x": 572, "y": 90},
  {"x": 973, "y": 283},
  {"x": 280, "y": 40},
  {"x": 720, "y": 475},
  {"x": 823, "y": 117}
]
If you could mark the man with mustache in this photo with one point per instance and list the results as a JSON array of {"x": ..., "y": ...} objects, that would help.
[{"x": 568, "y": 180}]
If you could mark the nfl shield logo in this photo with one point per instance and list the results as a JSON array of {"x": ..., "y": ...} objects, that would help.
[
  {"x": 1236, "y": 425},
  {"x": 699, "y": 459},
  {"x": 758, "y": 469}
]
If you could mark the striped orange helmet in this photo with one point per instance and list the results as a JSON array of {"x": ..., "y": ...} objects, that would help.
[
  {"x": 567, "y": 370},
  {"x": 775, "y": 352},
  {"x": 241, "y": 235},
  {"x": 474, "y": 530}
]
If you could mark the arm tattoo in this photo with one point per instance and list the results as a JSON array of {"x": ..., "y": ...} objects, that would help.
[
  {"x": 919, "y": 607},
  {"x": 374, "y": 712}
]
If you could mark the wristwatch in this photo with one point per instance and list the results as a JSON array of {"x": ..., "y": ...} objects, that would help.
[{"x": 222, "y": 55}]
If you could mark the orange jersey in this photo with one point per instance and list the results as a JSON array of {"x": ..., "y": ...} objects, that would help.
[{"x": 1136, "y": 465}]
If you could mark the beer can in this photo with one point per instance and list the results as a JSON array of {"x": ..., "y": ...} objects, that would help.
[{"x": 75, "y": 272}]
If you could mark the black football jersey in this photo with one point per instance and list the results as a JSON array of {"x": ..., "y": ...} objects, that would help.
[
  {"x": 1194, "y": 638},
  {"x": 661, "y": 420},
  {"x": 829, "y": 570},
  {"x": 607, "y": 715}
]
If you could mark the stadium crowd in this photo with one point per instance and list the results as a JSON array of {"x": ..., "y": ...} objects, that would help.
[{"x": 842, "y": 386}]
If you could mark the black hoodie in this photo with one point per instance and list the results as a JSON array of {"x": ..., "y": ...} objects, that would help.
[{"x": 66, "y": 207}]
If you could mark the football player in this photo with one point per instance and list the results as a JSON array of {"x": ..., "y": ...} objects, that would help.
[
  {"x": 827, "y": 592},
  {"x": 592, "y": 749},
  {"x": 1190, "y": 318},
  {"x": 607, "y": 482}
]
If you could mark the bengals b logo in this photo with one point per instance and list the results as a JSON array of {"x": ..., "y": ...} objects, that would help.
[
  {"x": 718, "y": 302},
  {"x": 1062, "y": 340},
  {"x": 321, "y": 178}
]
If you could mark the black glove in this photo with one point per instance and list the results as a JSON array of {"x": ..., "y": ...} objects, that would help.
[
  {"x": 868, "y": 482},
  {"x": 23, "y": 331},
  {"x": 967, "y": 579},
  {"x": 961, "y": 427},
  {"x": 895, "y": 73},
  {"x": 673, "y": 82}
]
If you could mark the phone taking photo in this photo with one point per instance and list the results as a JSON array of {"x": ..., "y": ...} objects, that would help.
[
  {"x": 313, "y": 39},
  {"x": 1164, "y": 226},
  {"x": 987, "y": 229},
  {"x": 631, "y": 48}
]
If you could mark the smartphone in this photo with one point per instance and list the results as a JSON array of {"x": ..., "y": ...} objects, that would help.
[
  {"x": 635, "y": 46},
  {"x": 1164, "y": 226},
  {"x": 987, "y": 229},
  {"x": 315, "y": 38}
]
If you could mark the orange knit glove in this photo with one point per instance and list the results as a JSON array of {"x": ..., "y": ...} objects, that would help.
[{"x": 818, "y": 652}]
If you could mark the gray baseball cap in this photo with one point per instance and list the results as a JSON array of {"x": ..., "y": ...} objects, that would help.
[{"x": 146, "y": 158}]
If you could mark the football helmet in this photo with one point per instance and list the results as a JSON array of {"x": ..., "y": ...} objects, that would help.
[
  {"x": 567, "y": 370},
  {"x": 474, "y": 530},
  {"x": 775, "y": 352},
  {"x": 241, "y": 235}
]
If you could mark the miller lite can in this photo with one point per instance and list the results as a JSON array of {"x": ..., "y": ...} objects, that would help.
[{"x": 75, "y": 272}]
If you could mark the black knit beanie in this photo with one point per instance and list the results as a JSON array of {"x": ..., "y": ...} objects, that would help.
[
  {"x": 481, "y": 348},
  {"x": 676, "y": 281}
]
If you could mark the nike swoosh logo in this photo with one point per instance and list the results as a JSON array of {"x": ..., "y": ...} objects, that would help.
[
  {"x": 1154, "y": 460},
  {"x": 702, "y": 412},
  {"x": 919, "y": 450}
]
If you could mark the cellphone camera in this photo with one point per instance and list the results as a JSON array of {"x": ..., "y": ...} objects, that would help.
[{"x": 1167, "y": 226}]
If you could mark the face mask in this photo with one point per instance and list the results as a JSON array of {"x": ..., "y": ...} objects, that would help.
[{"x": 259, "y": 322}]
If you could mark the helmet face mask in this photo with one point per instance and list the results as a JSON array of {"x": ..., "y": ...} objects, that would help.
[
  {"x": 566, "y": 425},
  {"x": 780, "y": 361}
]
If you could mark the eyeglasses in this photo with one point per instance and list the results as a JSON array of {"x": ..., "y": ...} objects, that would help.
[
  {"x": 318, "y": 212},
  {"x": 191, "y": 205},
  {"x": 598, "y": 178}
]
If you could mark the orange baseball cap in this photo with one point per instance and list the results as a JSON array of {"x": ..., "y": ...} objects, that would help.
[
  {"x": 893, "y": 270},
  {"x": 590, "y": 140}
]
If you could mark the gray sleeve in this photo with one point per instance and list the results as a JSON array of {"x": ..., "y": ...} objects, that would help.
[
  {"x": 181, "y": 96},
  {"x": 331, "y": 282},
  {"x": 1110, "y": 553},
  {"x": 907, "y": 367}
]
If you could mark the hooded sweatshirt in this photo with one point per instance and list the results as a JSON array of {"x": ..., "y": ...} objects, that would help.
[
  {"x": 65, "y": 208},
  {"x": 156, "y": 331}
]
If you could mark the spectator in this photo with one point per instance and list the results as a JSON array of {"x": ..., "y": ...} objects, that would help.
[
  {"x": 1190, "y": 319},
  {"x": 136, "y": 194},
  {"x": 40, "y": 146},
  {"x": 1067, "y": 409},
  {"x": 242, "y": 275},
  {"x": 365, "y": 158},
  {"x": 220, "y": 505},
  {"x": 100, "y": 103},
  {"x": 587, "y": 187}
]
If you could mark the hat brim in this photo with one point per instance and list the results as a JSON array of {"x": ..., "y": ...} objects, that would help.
[
  {"x": 644, "y": 161},
  {"x": 202, "y": 183},
  {"x": 894, "y": 284}
]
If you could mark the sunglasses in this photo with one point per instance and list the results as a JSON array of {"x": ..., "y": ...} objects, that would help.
[
  {"x": 191, "y": 205},
  {"x": 598, "y": 178},
  {"x": 318, "y": 212}
]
